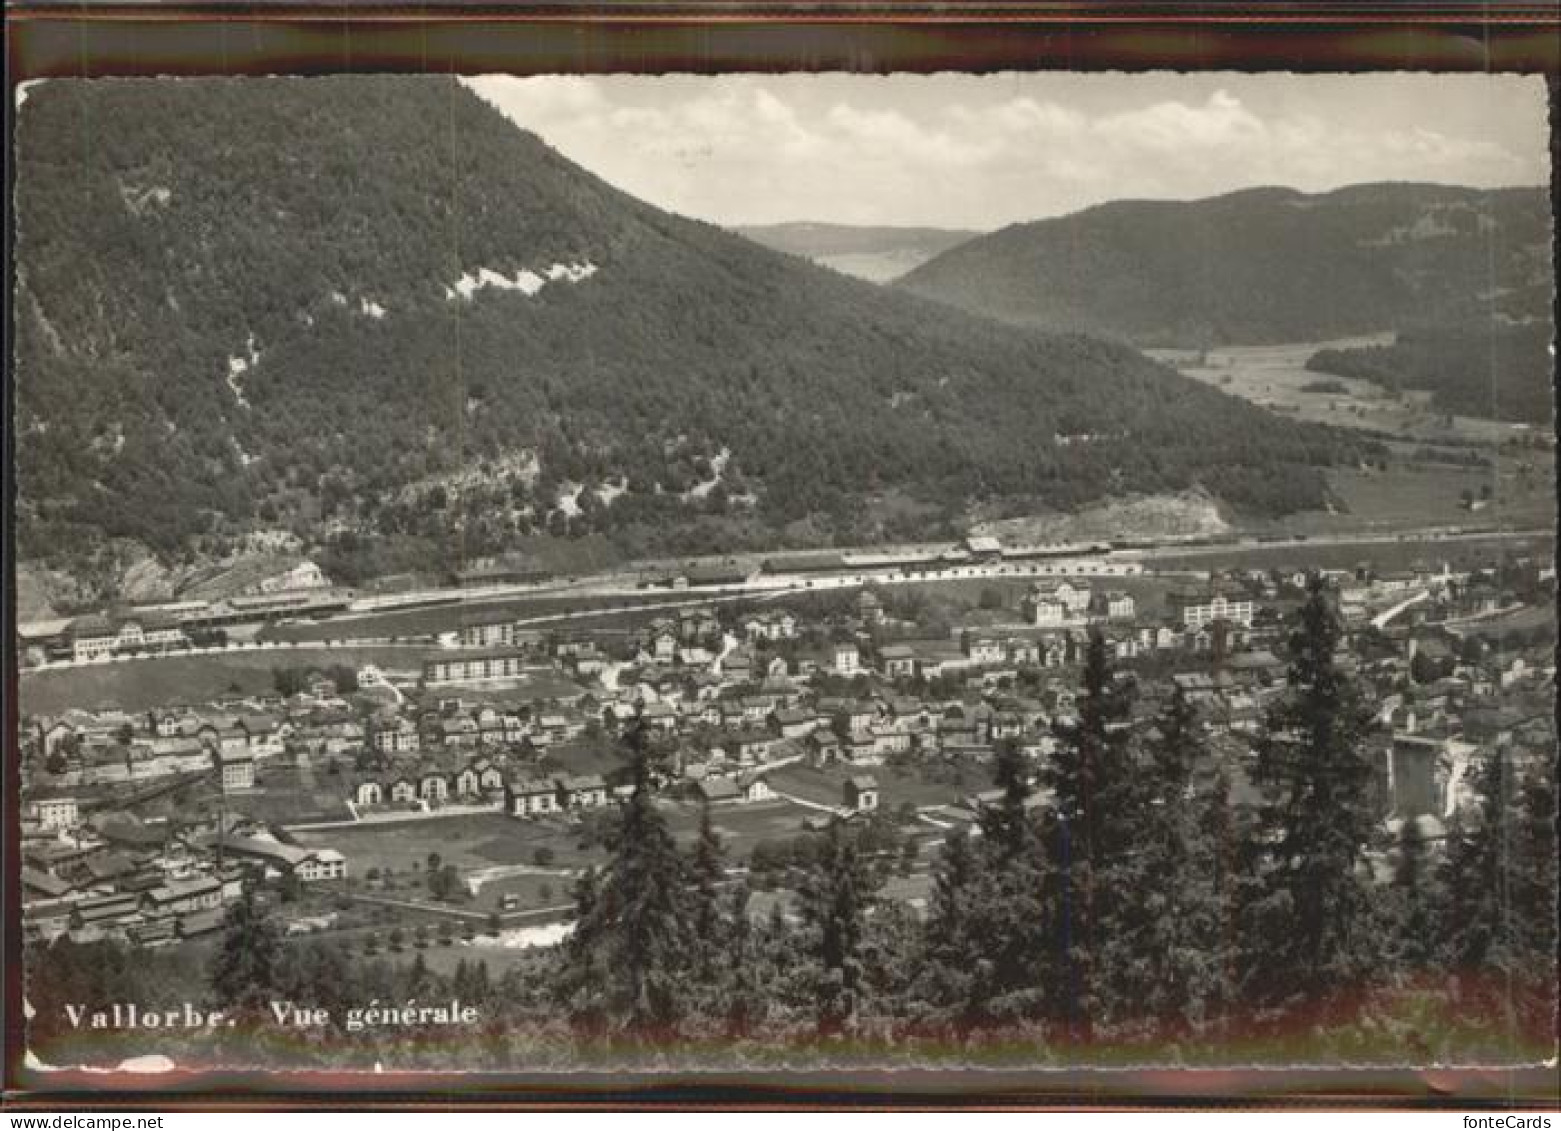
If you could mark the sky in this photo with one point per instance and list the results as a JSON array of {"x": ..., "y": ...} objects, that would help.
[{"x": 967, "y": 151}]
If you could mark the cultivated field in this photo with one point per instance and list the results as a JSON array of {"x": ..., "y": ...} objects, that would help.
[{"x": 1276, "y": 378}]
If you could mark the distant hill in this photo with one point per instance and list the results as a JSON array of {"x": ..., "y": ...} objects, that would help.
[
  {"x": 877, "y": 254},
  {"x": 1260, "y": 266},
  {"x": 373, "y": 313}
]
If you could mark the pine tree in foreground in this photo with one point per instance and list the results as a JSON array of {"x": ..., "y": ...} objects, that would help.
[
  {"x": 1089, "y": 834},
  {"x": 834, "y": 900},
  {"x": 1498, "y": 922},
  {"x": 1308, "y": 934},
  {"x": 246, "y": 970},
  {"x": 630, "y": 963}
]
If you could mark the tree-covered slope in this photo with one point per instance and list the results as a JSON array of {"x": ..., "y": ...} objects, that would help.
[
  {"x": 372, "y": 306},
  {"x": 1485, "y": 369},
  {"x": 1260, "y": 266}
]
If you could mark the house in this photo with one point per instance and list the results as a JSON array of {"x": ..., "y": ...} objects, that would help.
[
  {"x": 403, "y": 790},
  {"x": 178, "y": 897},
  {"x": 861, "y": 793},
  {"x": 468, "y": 782},
  {"x": 238, "y": 772},
  {"x": 106, "y": 911},
  {"x": 368, "y": 793},
  {"x": 263, "y": 734},
  {"x": 308, "y": 865},
  {"x": 659, "y": 718},
  {"x": 1075, "y": 598},
  {"x": 1024, "y": 653},
  {"x": 433, "y": 786},
  {"x": 558, "y": 726},
  {"x": 530, "y": 797},
  {"x": 1043, "y": 610},
  {"x": 754, "y": 788},
  {"x": 823, "y": 746},
  {"x": 982, "y": 650},
  {"x": 460, "y": 733},
  {"x": 854, "y": 716},
  {"x": 749, "y": 746},
  {"x": 847, "y": 658},
  {"x": 1116, "y": 605},
  {"x": 583, "y": 792},
  {"x": 321, "y": 865},
  {"x": 718, "y": 790},
  {"x": 93, "y": 637},
  {"x": 1197, "y": 610},
  {"x": 394, "y": 736},
  {"x": 898, "y": 660},
  {"x": 794, "y": 723},
  {"x": 869, "y": 606},
  {"x": 473, "y": 669},
  {"x": 505, "y": 634},
  {"x": 55, "y": 811}
]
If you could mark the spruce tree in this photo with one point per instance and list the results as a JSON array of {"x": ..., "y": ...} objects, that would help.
[
  {"x": 629, "y": 965},
  {"x": 1167, "y": 945},
  {"x": 245, "y": 972},
  {"x": 835, "y": 897},
  {"x": 1309, "y": 920},
  {"x": 1410, "y": 906},
  {"x": 1499, "y": 914},
  {"x": 1089, "y": 837},
  {"x": 1005, "y": 940},
  {"x": 707, "y": 871},
  {"x": 744, "y": 997}
]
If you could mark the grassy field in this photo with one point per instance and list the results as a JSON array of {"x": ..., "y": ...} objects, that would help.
[
  {"x": 469, "y": 841},
  {"x": 1276, "y": 378},
  {"x": 137, "y": 685},
  {"x": 741, "y": 826},
  {"x": 897, "y": 785},
  {"x": 1409, "y": 496}
]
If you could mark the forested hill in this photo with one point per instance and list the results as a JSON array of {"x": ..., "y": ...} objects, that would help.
[
  {"x": 1261, "y": 266},
  {"x": 372, "y": 306}
]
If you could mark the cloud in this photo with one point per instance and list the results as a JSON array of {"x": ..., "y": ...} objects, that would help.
[{"x": 964, "y": 151}]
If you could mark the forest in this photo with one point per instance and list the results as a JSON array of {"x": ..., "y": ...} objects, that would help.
[
  {"x": 1114, "y": 905},
  {"x": 1261, "y": 266},
  {"x": 236, "y": 311},
  {"x": 1487, "y": 369}
]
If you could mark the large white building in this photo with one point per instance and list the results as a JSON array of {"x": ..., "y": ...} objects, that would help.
[
  {"x": 1196, "y": 611},
  {"x": 474, "y": 669}
]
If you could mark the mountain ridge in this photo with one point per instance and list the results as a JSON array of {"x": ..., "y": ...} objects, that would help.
[
  {"x": 1259, "y": 266},
  {"x": 373, "y": 313}
]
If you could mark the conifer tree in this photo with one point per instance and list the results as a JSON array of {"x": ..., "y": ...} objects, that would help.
[
  {"x": 1006, "y": 942},
  {"x": 1090, "y": 829},
  {"x": 744, "y": 1001},
  {"x": 1499, "y": 914},
  {"x": 245, "y": 971},
  {"x": 1307, "y": 929},
  {"x": 835, "y": 897},
  {"x": 1410, "y": 905},
  {"x": 629, "y": 961},
  {"x": 1167, "y": 950},
  {"x": 707, "y": 870}
]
